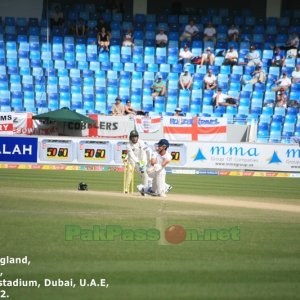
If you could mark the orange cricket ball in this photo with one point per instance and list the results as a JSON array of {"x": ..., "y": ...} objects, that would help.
[{"x": 175, "y": 234}]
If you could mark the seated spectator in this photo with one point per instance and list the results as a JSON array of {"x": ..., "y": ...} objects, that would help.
[
  {"x": 253, "y": 57},
  {"x": 129, "y": 110},
  {"x": 57, "y": 17},
  {"x": 233, "y": 33},
  {"x": 103, "y": 40},
  {"x": 178, "y": 112},
  {"x": 185, "y": 80},
  {"x": 118, "y": 109},
  {"x": 207, "y": 58},
  {"x": 158, "y": 88},
  {"x": 161, "y": 38},
  {"x": 210, "y": 33},
  {"x": 258, "y": 76},
  {"x": 80, "y": 28},
  {"x": 278, "y": 58},
  {"x": 296, "y": 74},
  {"x": 128, "y": 38},
  {"x": 282, "y": 83},
  {"x": 210, "y": 80},
  {"x": 220, "y": 99},
  {"x": 190, "y": 32},
  {"x": 101, "y": 23},
  {"x": 185, "y": 55},
  {"x": 281, "y": 98},
  {"x": 231, "y": 57}
]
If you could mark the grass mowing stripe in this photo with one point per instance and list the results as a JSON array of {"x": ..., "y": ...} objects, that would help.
[
  {"x": 259, "y": 187},
  {"x": 263, "y": 264}
]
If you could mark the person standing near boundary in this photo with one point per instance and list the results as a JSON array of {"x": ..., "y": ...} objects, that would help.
[{"x": 137, "y": 158}]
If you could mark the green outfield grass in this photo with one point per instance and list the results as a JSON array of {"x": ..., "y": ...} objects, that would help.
[{"x": 36, "y": 205}]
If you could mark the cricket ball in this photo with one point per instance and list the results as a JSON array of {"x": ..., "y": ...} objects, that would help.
[{"x": 175, "y": 234}]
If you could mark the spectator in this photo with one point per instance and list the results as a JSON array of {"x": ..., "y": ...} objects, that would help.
[
  {"x": 161, "y": 38},
  {"x": 118, "y": 108},
  {"x": 158, "y": 88},
  {"x": 231, "y": 57},
  {"x": 220, "y": 99},
  {"x": 233, "y": 33},
  {"x": 207, "y": 58},
  {"x": 128, "y": 38},
  {"x": 57, "y": 17},
  {"x": 80, "y": 28},
  {"x": 129, "y": 110},
  {"x": 210, "y": 33},
  {"x": 278, "y": 59},
  {"x": 253, "y": 57},
  {"x": 258, "y": 76},
  {"x": 296, "y": 74},
  {"x": 282, "y": 83},
  {"x": 178, "y": 112},
  {"x": 185, "y": 55},
  {"x": 190, "y": 31},
  {"x": 210, "y": 80},
  {"x": 185, "y": 80},
  {"x": 281, "y": 99},
  {"x": 103, "y": 40}
]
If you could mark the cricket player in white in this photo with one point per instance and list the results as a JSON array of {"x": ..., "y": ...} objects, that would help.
[
  {"x": 157, "y": 171},
  {"x": 137, "y": 159}
]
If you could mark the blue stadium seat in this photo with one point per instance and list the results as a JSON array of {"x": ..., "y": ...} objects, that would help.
[
  {"x": 129, "y": 67},
  {"x": 176, "y": 68},
  {"x": 149, "y": 55},
  {"x": 151, "y": 67},
  {"x": 269, "y": 98},
  {"x": 159, "y": 105},
  {"x": 94, "y": 66},
  {"x": 105, "y": 66},
  {"x": 161, "y": 55},
  {"x": 117, "y": 66},
  {"x": 297, "y": 130},
  {"x": 279, "y": 111},
  {"x": 237, "y": 70},
  {"x": 140, "y": 67},
  {"x": 91, "y": 53},
  {"x": 263, "y": 133},
  {"x": 277, "y": 119}
]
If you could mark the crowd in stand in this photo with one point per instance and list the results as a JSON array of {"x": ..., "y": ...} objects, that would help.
[
  {"x": 191, "y": 32},
  {"x": 222, "y": 47}
]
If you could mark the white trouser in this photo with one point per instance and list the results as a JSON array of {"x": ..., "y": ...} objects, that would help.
[{"x": 159, "y": 183}]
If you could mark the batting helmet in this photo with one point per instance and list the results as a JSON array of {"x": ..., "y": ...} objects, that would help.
[
  {"x": 82, "y": 186},
  {"x": 163, "y": 142}
]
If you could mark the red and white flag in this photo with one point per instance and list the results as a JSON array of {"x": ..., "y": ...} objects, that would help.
[
  {"x": 195, "y": 129},
  {"x": 147, "y": 124},
  {"x": 23, "y": 123}
]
